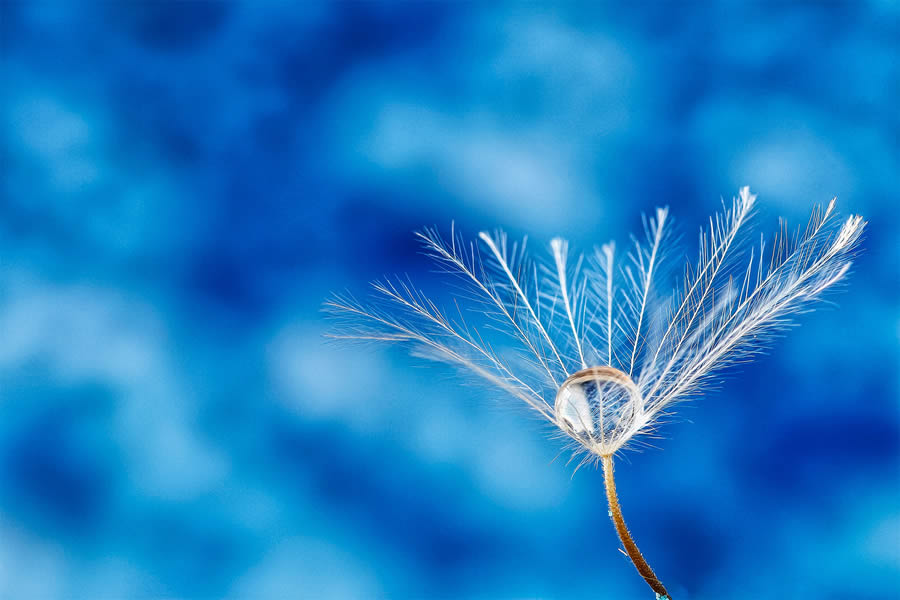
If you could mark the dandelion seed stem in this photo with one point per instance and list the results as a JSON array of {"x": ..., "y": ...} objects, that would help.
[{"x": 619, "y": 521}]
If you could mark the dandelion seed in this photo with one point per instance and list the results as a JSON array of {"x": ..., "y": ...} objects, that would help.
[{"x": 595, "y": 347}]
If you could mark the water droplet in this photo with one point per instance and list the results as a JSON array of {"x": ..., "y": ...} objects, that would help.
[{"x": 596, "y": 403}]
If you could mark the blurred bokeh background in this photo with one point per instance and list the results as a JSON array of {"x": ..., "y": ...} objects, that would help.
[{"x": 184, "y": 183}]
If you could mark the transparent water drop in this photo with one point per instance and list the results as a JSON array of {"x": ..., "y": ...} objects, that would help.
[{"x": 596, "y": 403}]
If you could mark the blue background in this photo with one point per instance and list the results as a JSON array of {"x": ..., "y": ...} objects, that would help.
[{"x": 184, "y": 183}]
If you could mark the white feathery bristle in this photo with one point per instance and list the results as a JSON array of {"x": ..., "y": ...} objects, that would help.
[{"x": 571, "y": 315}]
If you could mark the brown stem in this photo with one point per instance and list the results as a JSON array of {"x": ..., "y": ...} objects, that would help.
[{"x": 619, "y": 521}]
